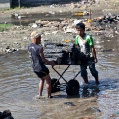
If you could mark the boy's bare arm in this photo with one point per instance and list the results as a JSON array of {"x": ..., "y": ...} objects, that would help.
[
  {"x": 94, "y": 54},
  {"x": 45, "y": 60}
]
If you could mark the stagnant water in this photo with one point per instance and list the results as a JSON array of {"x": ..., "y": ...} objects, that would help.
[
  {"x": 31, "y": 18},
  {"x": 18, "y": 85}
]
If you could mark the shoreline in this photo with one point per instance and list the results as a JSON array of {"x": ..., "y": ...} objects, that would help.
[{"x": 18, "y": 37}]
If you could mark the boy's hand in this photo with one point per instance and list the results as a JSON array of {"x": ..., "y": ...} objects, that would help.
[
  {"x": 52, "y": 63},
  {"x": 95, "y": 60}
]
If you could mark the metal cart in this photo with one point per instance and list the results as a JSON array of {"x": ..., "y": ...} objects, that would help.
[
  {"x": 72, "y": 86},
  {"x": 70, "y": 56}
]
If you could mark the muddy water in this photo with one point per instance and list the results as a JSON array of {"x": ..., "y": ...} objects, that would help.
[{"x": 18, "y": 85}]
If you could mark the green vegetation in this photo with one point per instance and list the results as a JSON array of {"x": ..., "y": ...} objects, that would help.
[{"x": 4, "y": 27}]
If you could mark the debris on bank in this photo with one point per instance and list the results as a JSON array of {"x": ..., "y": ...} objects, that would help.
[{"x": 64, "y": 25}]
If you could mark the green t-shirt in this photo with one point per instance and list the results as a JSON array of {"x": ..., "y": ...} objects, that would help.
[{"x": 85, "y": 44}]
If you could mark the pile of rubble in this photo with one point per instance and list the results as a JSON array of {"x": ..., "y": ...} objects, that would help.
[{"x": 68, "y": 25}]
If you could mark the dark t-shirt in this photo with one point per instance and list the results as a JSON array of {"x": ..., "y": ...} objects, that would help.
[{"x": 37, "y": 63}]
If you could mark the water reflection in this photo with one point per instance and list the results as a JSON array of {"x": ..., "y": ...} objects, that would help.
[{"x": 90, "y": 91}]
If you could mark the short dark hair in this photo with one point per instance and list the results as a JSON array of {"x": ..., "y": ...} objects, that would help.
[{"x": 80, "y": 25}]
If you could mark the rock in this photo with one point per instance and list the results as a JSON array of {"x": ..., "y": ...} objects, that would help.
[
  {"x": 34, "y": 25},
  {"x": 8, "y": 47}
]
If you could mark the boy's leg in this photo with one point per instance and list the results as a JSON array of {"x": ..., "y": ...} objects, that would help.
[
  {"x": 41, "y": 85},
  {"x": 94, "y": 72},
  {"x": 97, "y": 80},
  {"x": 48, "y": 85},
  {"x": 84, "y": 73},
  {"x": 85, "y": 78}
]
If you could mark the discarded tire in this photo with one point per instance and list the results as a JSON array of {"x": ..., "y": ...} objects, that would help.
[
  {"x": 72, "y": 87},
  {"x": 55, "y": 85}
]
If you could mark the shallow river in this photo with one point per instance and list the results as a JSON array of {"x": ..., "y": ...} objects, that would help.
[{"x": 18, "y": 85}]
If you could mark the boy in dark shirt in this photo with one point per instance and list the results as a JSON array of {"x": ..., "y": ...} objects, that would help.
[{"x": 38, "y": 63}]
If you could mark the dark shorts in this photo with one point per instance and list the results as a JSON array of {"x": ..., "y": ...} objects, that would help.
[{"x": 42, "y": 73}]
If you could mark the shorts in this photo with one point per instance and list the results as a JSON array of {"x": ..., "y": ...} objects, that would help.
[{"x": 42, "y": 73}]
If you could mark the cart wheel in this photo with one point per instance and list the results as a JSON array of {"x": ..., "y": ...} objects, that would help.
[
  {"x": 55, "y": 85},
  {"x": 72, "y": 87}
]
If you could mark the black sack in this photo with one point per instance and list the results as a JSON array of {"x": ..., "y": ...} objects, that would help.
[{"x": 77, "y": 56}]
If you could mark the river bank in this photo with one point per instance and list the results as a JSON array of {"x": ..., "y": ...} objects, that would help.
[{"x": 18, "y": 36}]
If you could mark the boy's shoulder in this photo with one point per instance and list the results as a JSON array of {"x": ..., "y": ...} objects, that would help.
[
  {"x": 30, "y": 45},
  {"x": 88, "y": 36}
]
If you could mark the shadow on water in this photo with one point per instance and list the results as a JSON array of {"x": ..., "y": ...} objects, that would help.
[{"x": 90, "y": 92}]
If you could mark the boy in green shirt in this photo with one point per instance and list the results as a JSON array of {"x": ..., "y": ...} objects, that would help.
[{"x": 85, "y": 41}]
